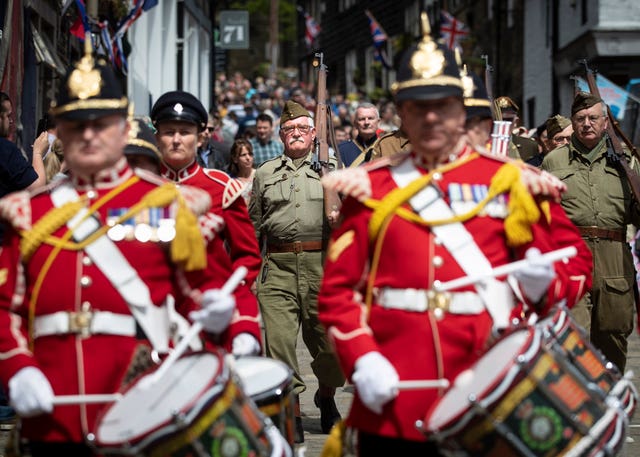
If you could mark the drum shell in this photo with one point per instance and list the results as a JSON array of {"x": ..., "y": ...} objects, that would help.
[
  {"x": 219, "y": 411},
  {"x": 533, "y": 406}
]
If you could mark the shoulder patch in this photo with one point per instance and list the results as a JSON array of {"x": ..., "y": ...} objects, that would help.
[
  {"x": 15, "y": 208},
  {"x": 353, "y": 182},
  {"x": 232, "y": 191},
  {"x": 149, "y": 176},
  {"x": 197, "y": 199}
]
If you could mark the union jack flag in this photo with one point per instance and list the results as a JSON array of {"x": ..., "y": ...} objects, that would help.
[
  {"x": 379, "y": 38},
  {"x": 452, "y": 30},
  {"x": 312, "y": 30}
]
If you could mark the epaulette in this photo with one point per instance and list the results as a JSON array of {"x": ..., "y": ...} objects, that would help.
[
  {"x": 197, "y": 200},
  {"x": 15, "y": 208},
  {"x": 232, "y": 187},
  {"x": 218, "y": 176},
  {"x": 539, "y": 183},
  {"x": 149, "y": 176},
  {"x": 353, "y": 182}
]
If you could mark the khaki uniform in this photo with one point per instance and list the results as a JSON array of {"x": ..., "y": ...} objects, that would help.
[
  {"x": 287, "y": 206},
  {"x": 390, "y": 143},
  {"x": 599, "y": 195}
]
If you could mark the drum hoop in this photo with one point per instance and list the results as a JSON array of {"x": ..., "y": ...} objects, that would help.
[
  {"x": 506, "y": 381},
  {"x": 200, "y": 425},
  {"x": 193, "y": 409}
]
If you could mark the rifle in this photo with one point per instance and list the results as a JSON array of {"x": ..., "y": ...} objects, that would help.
[
  {"x": 615, "y": 151},
  {"x": 488, "y": 84},
  {"x": 332, "y": 202}
]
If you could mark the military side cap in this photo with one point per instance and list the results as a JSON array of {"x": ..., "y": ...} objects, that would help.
[
  {"x": 556, "y": 124},
  {"x": 90, "y": 90},
  {"x": 505, "y": 104},
  {"x": 476, "y": 100},
  {"x": 428, "y": 71},
  {"x": 142, "y": 140},
  {"x": 179, "y": 105},
  {"x": 293, "y": 110},
  {"x": 584, "y": 100}
]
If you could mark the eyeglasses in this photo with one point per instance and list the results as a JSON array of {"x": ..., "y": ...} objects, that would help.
[
  {"x": 211, "y": 129},
  {"x": 561, "y": 139},
  {"x": 592, "y": 118},
  {"x": 287, "y": 129}
]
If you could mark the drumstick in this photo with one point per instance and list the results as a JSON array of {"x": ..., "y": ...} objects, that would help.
[
  {"x": 234, "y": 281},
  {"x": 59, "y": 400},
  {"x": 418, "y": 384},
  {"x": 551, "y": 256}
]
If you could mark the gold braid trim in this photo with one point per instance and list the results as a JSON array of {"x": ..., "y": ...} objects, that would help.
[
  {"x": 187, "y": 248},
  {"x": 523, "y": 211}
]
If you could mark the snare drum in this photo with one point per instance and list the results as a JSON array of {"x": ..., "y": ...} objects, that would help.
[
  {"x": 518, "y": 400},
  {"x": 197, "y": 408},
  {"x": 269, "y": 383},
  {"x": 565, "y": 335}
]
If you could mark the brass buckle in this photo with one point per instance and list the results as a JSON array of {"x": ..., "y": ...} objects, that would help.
[
  {"x": 438, "y": 302},
  {"x": 297, "y": 247},
  {"x": 80, "y": 321}
]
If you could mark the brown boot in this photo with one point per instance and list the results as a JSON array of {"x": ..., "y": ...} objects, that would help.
[{"x": 329, "y": 413}]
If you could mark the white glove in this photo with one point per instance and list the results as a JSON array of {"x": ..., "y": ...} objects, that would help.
[
  {"x": 534, "y": 278},
  {"x": 30, "y": 392},
  {"x": 217, "y": 311},
  {"x": 376, "y": 380},
  {"x": 245, "y": 344}
]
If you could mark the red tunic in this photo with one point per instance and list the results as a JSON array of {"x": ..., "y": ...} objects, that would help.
[
  {"x": 72, "y": 363},
  {"x": 412, "y": 257},
  {"x": 238, "y": 235}
]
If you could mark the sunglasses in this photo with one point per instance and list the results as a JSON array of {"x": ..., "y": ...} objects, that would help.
[{"x": 211, "y": 129}]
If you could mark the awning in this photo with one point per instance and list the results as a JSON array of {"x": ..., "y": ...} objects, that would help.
[{"x": 44, "y": 54}]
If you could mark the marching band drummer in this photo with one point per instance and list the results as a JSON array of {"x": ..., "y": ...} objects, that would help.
[
  {"x": 440, "y": 212},
  {"x": 89, "y": 268},
  {"x": 179, "y": 118}
]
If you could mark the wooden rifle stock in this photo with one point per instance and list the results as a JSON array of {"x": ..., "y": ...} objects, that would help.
[
  {"x": 614, "y": 140},
  {"x": 332, "y": 201}
]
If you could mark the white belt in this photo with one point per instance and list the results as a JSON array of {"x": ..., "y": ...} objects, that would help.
[
  {"x": 84, "y": 323},
  {"x": 421, "y": 300}
]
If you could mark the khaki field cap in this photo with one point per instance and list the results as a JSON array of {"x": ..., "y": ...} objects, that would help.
[
  {"x": 293, "y": 110},
  {"x": 556, "y": 124},
  {"x": 90, "y": 90},
  {"x": 584, "y": 100},
  {"x": 428, "y": 71}
]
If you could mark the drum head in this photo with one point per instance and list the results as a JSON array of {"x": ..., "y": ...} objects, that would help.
[
  {"x": 478, "y": 380},
  {"x": 261, "y": 375},
  {"x": 144, "y": 408}
]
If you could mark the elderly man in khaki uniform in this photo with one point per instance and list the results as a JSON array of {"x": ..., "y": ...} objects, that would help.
[
  {"x": 287, "y": 210},
  {"x": 600, "y": 203}
]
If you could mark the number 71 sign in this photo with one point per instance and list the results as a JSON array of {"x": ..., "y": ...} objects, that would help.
[{"x": 234, "y": 29}]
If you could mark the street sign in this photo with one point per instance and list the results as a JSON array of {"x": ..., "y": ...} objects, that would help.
[{"x": 234, "y": 29}]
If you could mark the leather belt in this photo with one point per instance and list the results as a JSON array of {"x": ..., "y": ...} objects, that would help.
[
  {"x": 421, "y": 300},
  {"x": 297, "y": 246},
  {"x": 84, "y": 323},
  {"x": 603, "y": 233}
]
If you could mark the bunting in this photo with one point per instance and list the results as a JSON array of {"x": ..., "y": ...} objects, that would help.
[
  {"x": 379, "y": 38},
  {"x": 452, "y": 30}
]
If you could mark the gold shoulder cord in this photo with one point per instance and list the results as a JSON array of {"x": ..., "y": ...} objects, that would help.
[{"x": 523, "y": 211}]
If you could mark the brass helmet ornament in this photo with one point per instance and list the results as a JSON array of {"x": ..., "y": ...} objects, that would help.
[
  {"x": 90, "y": 90},
  {"x": 428, "y": 70}
]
